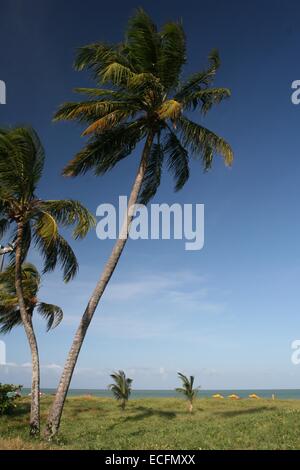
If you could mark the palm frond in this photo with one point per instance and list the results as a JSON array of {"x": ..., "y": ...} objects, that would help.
[
  {"x": 203, "y": 142},
  {"x": 205, "y": 98},
  {"x": 199, "y": 80},
  {"x": 4, "y": 226},
  {"x": 142, "y": 42},
  {"x": 121, "y": 389},
  {"x": 187, "y": 388},
  {"x": 108, "y": 122},
  {"x": 9, "y": 309},
  {"x": 170, "y": 109},
  {"x": 9, "y": 319},
  {"x": 172, "y": 54},
  {"x": 68, "y": 212},
  {"x": 59, "y": 252},
  {"x": 46, "y": 227},
  {"x": 152, "y": 176},
  {"x": 104, "y": 151},
  {"x": 178, "y": 160},
  {"x": 52, "y": 313},
  {"x": 85, "y": 111},
  {"x": 96, "y": 57},
  {"x": 21, "y": 161},
  {"x": 117, "y": 74}
]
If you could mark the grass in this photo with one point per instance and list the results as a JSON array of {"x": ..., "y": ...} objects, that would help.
[{"x": 161, "y": 423}]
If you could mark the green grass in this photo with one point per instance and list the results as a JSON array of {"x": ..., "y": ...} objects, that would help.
[{"x": 162, "y": 423}]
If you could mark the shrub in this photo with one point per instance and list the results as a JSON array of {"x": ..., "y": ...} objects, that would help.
[{"x": 8, "y": 394}]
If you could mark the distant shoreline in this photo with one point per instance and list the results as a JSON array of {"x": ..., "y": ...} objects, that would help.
[{"x": 283, "y": 394}]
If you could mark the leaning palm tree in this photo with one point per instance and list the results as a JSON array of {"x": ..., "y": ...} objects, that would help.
[
  {"x": 30, "y": 220},
  {"x": 187, "y": 389},
  {"x": 140, "y": 97},
  {"x": 10, "y": 316},
  {"x": 121, "y": 388}
]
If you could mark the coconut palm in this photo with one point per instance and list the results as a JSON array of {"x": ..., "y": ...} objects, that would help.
[
  {"x": 140, "y": 97},
  {"x": 10, "y": 316},
  {"x": 30, "y": 220},
  {"x": 187, "y": 389},
  {"x": 121, "y": 388}
]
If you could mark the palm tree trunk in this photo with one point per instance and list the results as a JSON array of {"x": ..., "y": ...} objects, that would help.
[
  {"x": 27, "y": 323},
  {"x": 54, "y": 417}
]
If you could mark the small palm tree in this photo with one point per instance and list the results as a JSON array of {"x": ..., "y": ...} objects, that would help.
[
  {"x": 187, "y": 389},
  {"x": 121, "y": 388},
  {"x": 141, "y": 96},
  {"x": 27, "y": 219},
  {"x": 10, "y": 316}
]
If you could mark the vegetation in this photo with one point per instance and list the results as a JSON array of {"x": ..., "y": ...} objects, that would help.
[
  {"x": 121, "y": 388},
  {"x": 10, "y": 316},
  {"x": 29, "y": 219},
  {"x": 188, "y": 389},
  {"x": 140, "y": 97},
  {"x": 161, "y": 423},
  {"x": 8, "y": 395}
]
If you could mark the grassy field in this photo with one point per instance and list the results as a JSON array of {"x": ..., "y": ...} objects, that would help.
[{"x": 98, "y": 423}]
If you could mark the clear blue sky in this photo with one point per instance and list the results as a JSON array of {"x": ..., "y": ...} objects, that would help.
[{"x": 227, "y": 313}]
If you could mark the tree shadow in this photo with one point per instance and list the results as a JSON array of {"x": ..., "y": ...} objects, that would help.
[
  {"x": 148, "y": 413},
  {"x": 20, "y": 410},
  {"x": 91, "y": 411},
  {"x": 143, "y": 413},
  {"x": 233, "y": 413}
]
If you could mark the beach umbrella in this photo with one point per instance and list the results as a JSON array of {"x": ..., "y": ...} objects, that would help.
[{"x": 234, "y": 397}]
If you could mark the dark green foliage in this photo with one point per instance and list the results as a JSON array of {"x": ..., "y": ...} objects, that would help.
[
  {"x": 187, "y": 388},
  {"x": 8, "y": 395},
  {"x": 121, "y": 389},
  {"x": 10, "y": 316},
  {"x": 21, "y": 167},
  {"x": 141, "y": 91}
]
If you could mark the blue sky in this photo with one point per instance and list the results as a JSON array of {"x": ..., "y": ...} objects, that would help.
[{"x": 229, "y": 312}]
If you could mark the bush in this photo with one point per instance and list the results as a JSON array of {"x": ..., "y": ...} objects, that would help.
[{"x": 8, "y": 394}]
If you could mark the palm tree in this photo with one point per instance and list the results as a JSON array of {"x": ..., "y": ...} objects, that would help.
[
  {"x": 140, "y": 97},
  {"x": 10, "y": 316},
  {"x": 27, "y": 219},
  {"x": 187, "y": 389},
  {"x": 121, "y": 388}
]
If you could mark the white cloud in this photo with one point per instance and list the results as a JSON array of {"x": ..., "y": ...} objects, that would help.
[
  {"x": 52, "y": 367},
  {"x": 152, "y": 306}
]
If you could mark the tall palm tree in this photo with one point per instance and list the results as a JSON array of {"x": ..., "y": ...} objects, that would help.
[
  {"x": 10, "y": 316},
  {"x": 121, "y": 388},
  {"x": 139, "y": 97},
  {"x": 188, "y": 389},
  {"x": 27, "y": 219}
]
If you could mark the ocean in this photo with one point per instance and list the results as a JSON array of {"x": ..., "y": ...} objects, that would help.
[{"x": 283, "y": 394}]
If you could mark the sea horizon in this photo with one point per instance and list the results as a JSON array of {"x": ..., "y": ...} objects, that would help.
[{"x": 279, "y": 393}]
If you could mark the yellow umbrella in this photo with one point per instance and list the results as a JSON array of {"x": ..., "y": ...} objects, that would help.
[
  {"x": 217, "y": 395},
  {"x": 234, "y": 397},
  {"x": 253, "y": 395}
]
